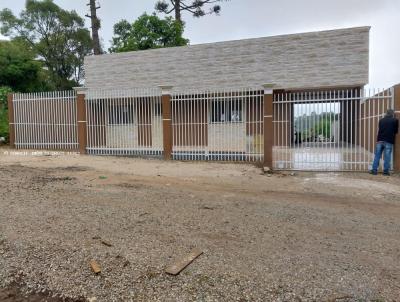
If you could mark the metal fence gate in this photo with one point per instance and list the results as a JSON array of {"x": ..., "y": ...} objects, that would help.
[
  {"x": 328, "y": 130},
  {"x": 218, "y": 125},
  {"x": 45, "y": 120},
  {"x": 124, "y": 122}
]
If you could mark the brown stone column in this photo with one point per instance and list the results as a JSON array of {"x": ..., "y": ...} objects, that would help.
[
  {"x": 268, "y": 125},
  {"x": 81, "y": 119},
  {"x": 167, "y": 121},
  {"x": 11, "y": 125},
  {"x": 396, "y": 154}
]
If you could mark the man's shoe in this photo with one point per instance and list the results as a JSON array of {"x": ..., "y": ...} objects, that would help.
[
  {"x": 386, "y": 173},
  {"x": 373, "y": 172}
]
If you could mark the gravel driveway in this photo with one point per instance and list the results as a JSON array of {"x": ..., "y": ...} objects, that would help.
[{"x": 308, "y": 237}]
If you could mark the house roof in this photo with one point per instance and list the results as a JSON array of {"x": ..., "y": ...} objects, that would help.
[{"x": 335, "y": 58}]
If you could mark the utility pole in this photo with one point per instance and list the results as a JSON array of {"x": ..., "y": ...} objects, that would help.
[{"x": 95, "y": 26}]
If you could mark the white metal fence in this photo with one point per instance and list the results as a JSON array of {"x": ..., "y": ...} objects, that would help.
[
  {"x": 222, "y": 126},
  {"x": 328, "y": 130},
  {"x": 318, "y": 130},
  {"x": 45, "y": 120},
  {"x": 124, "y": 122}
]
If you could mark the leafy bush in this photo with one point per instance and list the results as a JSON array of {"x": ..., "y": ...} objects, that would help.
[{"x": 4, "y": 91}]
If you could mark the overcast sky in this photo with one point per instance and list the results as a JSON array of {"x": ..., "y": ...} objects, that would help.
[{"x": 257, "y": 18}]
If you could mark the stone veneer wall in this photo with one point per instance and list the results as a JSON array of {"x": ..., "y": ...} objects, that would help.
[{"x": 336, "y": 58}]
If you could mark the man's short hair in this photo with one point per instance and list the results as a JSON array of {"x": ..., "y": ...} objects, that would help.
[{"x": 390, "y": 113}]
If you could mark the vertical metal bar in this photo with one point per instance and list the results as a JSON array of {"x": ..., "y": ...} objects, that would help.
[
  {"x": 21, "y": 99},
  {"x": 88, "y": 104},
  {"x": 88, "y": 122},
  {"x": 54, "y": 97},
  {"x": 275, "y": 122},
  {"x": 351, "y": 131},
  {"x": 17, "y": 119},
  {"x": 101, "y": 97},
  {"x": 196, "y": 134},
  {"x": 29, "y": 120},
  {"x": 57, "y": 121},
  {"x": 44, "y": 121},
  {"x": 148, "y": 122},
  {"x": 333, "y": 147},
  {"x": 34, "y": 121},
  {"x": 47, "y": 144},
  {"x": 61, "y": 120},
  {"x": 128, "y": 121},
  {"x": 38, "y": 129},
  {"x": 373, "y": 118},
  {"x": 39, "y": 132},
  {"x": 133, "y": 101},
  {"x": 73, "y": 121},
  {"x": 173, "y": 123},
  {"x": 111, "y": 123},
  {"x": 67, "y": 120},
  {"x": 286, "y": 132},
  {"x": 178, "y": 122},
  {"x": 98, "y": 101},
  {"x": 291, "y": 118}
]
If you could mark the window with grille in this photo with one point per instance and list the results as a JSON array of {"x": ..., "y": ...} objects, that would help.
[
  {"x": 120, "y": 115},
  {"x": 226, "y": 111}
]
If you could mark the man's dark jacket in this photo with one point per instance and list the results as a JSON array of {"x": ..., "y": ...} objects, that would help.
[{"x": 388, "y": 128}]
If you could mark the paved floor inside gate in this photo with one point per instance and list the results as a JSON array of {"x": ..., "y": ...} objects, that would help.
[{"x": 314, "y": 157}]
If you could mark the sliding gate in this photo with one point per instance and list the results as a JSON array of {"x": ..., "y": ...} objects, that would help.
[{"x": 328, "y": 130}]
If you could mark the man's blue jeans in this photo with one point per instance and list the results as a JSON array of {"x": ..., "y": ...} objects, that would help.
[{"x": 386, "y": 149}]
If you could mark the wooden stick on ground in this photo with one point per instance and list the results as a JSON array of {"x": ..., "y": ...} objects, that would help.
[{"x": 178, "y": 266}]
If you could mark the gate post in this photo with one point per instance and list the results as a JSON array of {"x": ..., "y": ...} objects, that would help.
[
  {"x": 396, "y": 153},
  {"x": 268, "y": 125},
  {"x": 11, "y": 124},
  {"x": 81, "y": 118},
  {"x": 167, "y": 121}
]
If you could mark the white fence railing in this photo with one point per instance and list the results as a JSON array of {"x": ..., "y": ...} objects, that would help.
[
  {"x": 45, "y": 120},
  {"x": 318, "y": 130},
  {"x": 124, "y": 122},
  {"x": 328, "y": 130},
  {"x": 222, "y": 126}
]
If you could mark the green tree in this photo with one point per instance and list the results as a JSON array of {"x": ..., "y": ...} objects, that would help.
[
  {"x": 196, "y": 7},
  {"x": 19, "y": 69},
  {"x": 57, "y": 36},
  {"x": 4, "y": 91},
  {"x": 147, "y": 32},
  {"x": 323, "y": 128}
]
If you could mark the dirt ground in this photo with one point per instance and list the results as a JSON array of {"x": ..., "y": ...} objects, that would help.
[{"x": 302, "y": 237}]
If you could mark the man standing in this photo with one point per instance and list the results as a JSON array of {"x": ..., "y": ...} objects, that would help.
[{"x": 388, "y": 128}]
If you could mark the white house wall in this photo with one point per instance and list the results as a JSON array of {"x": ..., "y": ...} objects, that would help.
[
  {"x": 122, "y": 136},
  {"x": 227, "y": 137}
]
